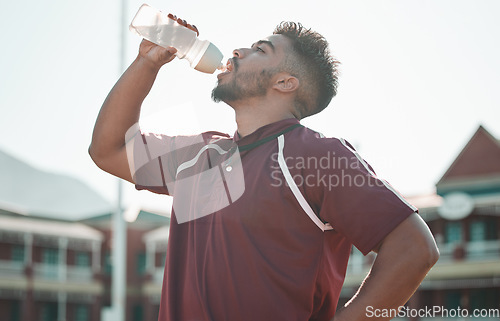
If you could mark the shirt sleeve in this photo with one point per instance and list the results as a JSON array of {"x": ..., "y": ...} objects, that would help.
[
  {"x": 154, "y": 158},
  {"x": 357, "y": 203},
  {"x": 151, "y": 159}
]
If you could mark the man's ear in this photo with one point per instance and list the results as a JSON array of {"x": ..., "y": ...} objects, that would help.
[{"x": 286, "y": 83}]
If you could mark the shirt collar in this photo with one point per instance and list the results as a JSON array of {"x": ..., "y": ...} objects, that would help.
[{"x": 265, "y": 131}]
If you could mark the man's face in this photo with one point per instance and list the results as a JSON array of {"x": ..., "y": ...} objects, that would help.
[{"x": 251, "y": 70}]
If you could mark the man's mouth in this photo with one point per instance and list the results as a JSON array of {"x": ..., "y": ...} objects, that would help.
[{"x": 228, "y": 68}]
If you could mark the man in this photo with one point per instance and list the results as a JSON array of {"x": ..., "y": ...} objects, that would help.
[{"x": 263, "y": 223}]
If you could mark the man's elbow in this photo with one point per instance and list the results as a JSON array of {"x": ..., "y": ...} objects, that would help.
[
  {"x": 426, "y": 250},
  {"x": 92, "y": 154},
  {"x": 433, "y": 256},
  {"x": 428, "y": 253},
  {"x": 96, "y": 157}
]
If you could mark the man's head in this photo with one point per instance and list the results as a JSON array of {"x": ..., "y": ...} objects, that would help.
[{"x": 294, "y": 61}]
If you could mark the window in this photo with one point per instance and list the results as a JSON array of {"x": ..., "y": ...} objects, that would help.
[
  {"x": 453, "y": 299},
  {"x": 156, "y": 311},
  {"x": 17, "y": 253},
  {"x": 453, "y": 232},
  {"x": 108, "y": 264},
  {"x": 49, "y": 312},
  {"x": 82, "y": 259},
  {"x": 81, "y": 313},
  {"x": 141, "y": 263},
  {"x": 492, "y": 229},
  {"x": 478, "y": 299},
  {"x": 15, "y": 310},
  {"x": 137, "y": 313},
  {"x": 477, "y": 231},
  {"x": 50, "y": 256},
  {"x": 483, "y": 230}
]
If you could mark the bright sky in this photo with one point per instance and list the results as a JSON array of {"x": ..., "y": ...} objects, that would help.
[{"x": 418, "y": 78}]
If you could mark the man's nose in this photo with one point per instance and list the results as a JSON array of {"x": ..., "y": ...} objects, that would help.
[{"x": 238, "y": 53}]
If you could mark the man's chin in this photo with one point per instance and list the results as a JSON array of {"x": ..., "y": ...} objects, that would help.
[
  {"x": 215, "y": 97},
  {"x": 218, "y": 100},
  {"x": 220, "y": 93}
]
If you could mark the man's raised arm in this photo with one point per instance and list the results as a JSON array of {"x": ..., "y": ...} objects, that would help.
[{"x": 121, "y": 109}]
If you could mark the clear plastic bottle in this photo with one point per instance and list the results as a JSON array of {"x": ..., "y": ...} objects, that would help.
[{"x": 158, "y": 28}]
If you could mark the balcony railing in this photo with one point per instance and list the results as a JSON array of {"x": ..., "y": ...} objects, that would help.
[
  {"x": 46, "y": 271},
  {"x": 76, "y": 274},
  {"x": 482, "y": 250},
  {"x": 79, "y": 273},
  {"x": 11, "y": 269},
  {"x": 476, "y": 251}
]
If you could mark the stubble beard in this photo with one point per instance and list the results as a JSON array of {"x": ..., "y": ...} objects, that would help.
[{"x": 244, "y": 85}]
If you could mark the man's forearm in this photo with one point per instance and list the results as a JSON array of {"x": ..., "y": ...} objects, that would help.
[
  {"x": 403, "y": 261},
  {"x": 121, "y": 109}
]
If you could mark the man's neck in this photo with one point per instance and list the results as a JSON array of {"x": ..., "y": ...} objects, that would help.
[{"x": 252, "y": 117}]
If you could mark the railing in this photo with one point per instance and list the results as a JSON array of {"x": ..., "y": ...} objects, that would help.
[
  {"x": 63, "y": 273},
  {"x": 46, "y": 271},
  {"x": 11, "y": 269},
  {"x": 474, "y": 251},
  {"x": 79, "y": 273},
  {"x": 483, "y": 250}
]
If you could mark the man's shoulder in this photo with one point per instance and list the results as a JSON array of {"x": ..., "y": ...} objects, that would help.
[{"x": 312, "y": 142}]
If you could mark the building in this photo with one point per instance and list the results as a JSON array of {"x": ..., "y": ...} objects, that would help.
[
  {"x": 58, "y": 270},
  {"x": 50, "y": 264},
  {"x": 56, "y": 247},
  {"x": 464, "y": 217},
  {"x": 49, "y": 269}
]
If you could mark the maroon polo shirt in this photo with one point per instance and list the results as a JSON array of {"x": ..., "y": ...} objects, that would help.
[{"x": 258, "y": 256}]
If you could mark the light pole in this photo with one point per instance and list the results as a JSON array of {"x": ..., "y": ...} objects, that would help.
[{"x": 118, "y": 277}]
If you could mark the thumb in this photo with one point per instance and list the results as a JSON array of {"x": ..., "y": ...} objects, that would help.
[
  {"x": 168, "y": 54},
  {"x": 172, "y": 50}
]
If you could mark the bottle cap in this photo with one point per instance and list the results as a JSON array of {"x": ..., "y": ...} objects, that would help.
[{"x": 210, "y": 60}]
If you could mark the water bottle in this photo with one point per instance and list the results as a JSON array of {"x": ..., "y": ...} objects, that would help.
[{"x": 158, "y": 28}]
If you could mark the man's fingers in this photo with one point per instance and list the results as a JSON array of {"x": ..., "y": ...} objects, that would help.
[
  {"x": 181, "y": 22},
  {"x": 193, "y": 27},
  {"x": 184, "y": 23}
]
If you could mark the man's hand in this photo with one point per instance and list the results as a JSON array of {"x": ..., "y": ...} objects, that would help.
[
  {"x": 403, "y": 260},
  {"x": 156, "y": 55}
]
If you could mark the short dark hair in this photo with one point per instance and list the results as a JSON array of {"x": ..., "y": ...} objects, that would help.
[{"x": 312, "y": 63}]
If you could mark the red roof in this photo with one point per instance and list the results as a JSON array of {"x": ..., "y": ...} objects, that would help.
[{"x": 479, "y": 158}]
